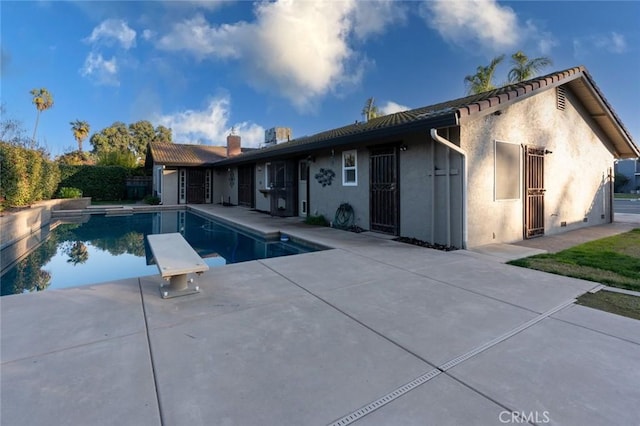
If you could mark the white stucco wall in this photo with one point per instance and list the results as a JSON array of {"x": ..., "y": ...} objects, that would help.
[
  {"x": 575, "y": 172},
  {"x": 223, "y": 190}
]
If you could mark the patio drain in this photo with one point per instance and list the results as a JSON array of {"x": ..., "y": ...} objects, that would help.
[{"x": 363, "y": 411}]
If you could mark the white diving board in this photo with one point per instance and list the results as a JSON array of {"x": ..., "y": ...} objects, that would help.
[{"x": 175, "y": 259}]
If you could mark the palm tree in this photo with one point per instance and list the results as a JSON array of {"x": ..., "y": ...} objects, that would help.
[
  {"x": 80, "y": 131},
  {"x": 370, "y": 110},
  {"x": 43, "y": 100},
  {"x": 482, "y": 80},
  {"x": 525, "y": 68}
]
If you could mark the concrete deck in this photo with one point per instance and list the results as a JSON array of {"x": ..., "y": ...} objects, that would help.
[{"x": 403, "y": 334}]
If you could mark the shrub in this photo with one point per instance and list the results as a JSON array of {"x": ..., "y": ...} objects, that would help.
[
  {"x": 68, "y": 192},
  {"x": 151, "y": 199},
  {"x": 27, "y": 175},
  {"x": 101, "y": 183},
  {"x": 316, "y": 220}
]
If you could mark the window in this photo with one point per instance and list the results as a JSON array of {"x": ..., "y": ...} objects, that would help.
[
  {"x": 350, "y": 168},
  {"x": 507, "y": 171}
]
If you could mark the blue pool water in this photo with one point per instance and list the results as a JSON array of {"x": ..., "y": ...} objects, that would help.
[{"x": 112, "y": 248}]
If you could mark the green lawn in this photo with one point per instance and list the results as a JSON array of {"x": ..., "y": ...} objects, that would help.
[
  {"x": 614, "y": 261},
  {"x": 627, "y": 196}
]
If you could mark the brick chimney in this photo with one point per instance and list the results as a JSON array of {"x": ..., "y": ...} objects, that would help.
[{"x": 233, "y": 145}]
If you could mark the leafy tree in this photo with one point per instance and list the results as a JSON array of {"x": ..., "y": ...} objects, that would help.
[
  {"x": 524, "y": 68},
  {"x": 78, "y": 253},
  {"x": 370, "y": 109},
  {"x": 80, "y": 131},
  {"x": 163, "y": 134},
  {"x": 133, "y": 138},
  {"x": 482, "y": 80},
  {"x": 76, "y": 158},
  {"x": 121, "y": 158},
  {"x": 43, "y": 100}
]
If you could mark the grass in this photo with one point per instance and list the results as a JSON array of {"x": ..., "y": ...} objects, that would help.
[
  {"x": 614, "y": 261},
  {"x": 627, "y": 196},
  {"x": 621, "y": 304}
]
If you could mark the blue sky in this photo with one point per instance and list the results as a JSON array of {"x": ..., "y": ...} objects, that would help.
[{"x": 202, "y": 68}]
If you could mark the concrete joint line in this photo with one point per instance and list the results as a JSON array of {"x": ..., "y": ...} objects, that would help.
[
  {"x": 507, "y": 335},
  {"x": 363, "y": 411},
  {"x": 151, "y": 360}
]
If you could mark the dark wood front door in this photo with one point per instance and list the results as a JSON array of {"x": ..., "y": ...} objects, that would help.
[
  {"x": 246, "y": 186},
  {"x": 383, "y": 184},
  {"x": 196, "y": 186},
  {"x": 533, "y": 192}
]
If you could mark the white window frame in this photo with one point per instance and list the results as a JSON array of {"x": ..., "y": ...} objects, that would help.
[{"x": 353, "y": 152}]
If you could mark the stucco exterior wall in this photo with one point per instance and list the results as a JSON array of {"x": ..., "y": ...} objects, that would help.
[
  {"x": 263, "y": 203},
  {"x": 575, "y": 173},
  {"x": 224, "y": 188},
  {"x": 326, "y": 200}
]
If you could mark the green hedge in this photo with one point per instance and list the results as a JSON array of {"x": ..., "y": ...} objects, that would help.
[
  {"x": 26, "y": 175},
  {"x": 101, "y": 183}
]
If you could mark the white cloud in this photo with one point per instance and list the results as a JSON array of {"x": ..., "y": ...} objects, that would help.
[
  {"x": 612, "y": 43},
  {"x": 99, "y": 70},
  {"x": 197, "y": 37},
  {"x": 211, "y": 125},
  {"x": 296, "y": 49},
  {"x": 391, "y": 107},
  {"x": 474, "y": 24},
  {"x": 111, "y": 30},
  {"x": 373, "y": 17},
  {"x": 148, "y": 34}
]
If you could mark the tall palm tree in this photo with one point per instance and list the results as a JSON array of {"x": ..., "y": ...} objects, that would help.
[
  {"x": 80, "y": 131},
  {"x": 370, "y": 110},
  {"x": 482, "y": 80},
  {"x": 43, "y": 100},
  {"x": 525, "y": 68}
]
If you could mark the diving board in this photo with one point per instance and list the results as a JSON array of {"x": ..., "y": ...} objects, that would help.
[{"x": 175, "y": 259}]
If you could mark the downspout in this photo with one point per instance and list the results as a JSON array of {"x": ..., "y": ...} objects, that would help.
[{"x": 436, "y": 137}]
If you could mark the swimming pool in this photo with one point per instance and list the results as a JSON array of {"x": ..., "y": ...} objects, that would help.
[{"x": 107, "y": 248}]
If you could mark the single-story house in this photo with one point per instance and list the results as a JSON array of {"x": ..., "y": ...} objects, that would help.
[
  {"x": 629, "y": 172},
  {"x": 525, "y": 160}
]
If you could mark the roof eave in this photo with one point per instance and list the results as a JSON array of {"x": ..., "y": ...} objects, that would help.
[{"x": 445, "y": 120}]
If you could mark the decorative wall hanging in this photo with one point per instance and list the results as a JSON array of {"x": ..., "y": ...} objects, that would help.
[{"x": 325, "y": 176}]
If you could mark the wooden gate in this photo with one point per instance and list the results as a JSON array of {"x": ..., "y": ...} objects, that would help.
[
  {"x": 196, "y": 186},
  {"x": 534, "y": 192},
  {"x": 383, "y": 184},
  {"x": 246, "y": 189}
]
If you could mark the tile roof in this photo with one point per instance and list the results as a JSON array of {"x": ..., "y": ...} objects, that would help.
[
  {"x": 457, "y": 111},
  {"x": 176, "y": 154}
]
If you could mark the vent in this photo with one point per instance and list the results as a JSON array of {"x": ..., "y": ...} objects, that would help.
[{"x": 561, "y": 98}]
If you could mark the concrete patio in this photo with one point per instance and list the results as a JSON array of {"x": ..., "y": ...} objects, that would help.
[{"x": 371, "y": 332}]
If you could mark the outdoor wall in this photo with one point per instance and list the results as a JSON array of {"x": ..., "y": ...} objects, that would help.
[
  {"x": 426, "y": 212},
  {"x": 326, "y": 200},
  {"x": 263, "y": 203},
  {"x": 169, "y": 187},
  {"x": 225, "y": 187},
  {"x": 575, "y": 175}
]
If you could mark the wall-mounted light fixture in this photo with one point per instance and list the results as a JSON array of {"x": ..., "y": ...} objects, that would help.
[
  {"x": 311, "y": 159},
  {"x": 403, "y": 147},
  {"x": 546, "y": 151}
]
